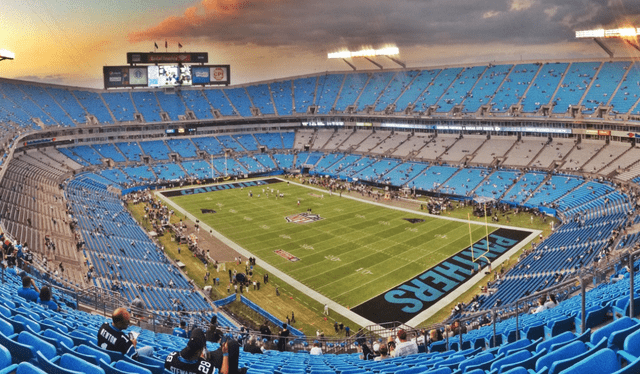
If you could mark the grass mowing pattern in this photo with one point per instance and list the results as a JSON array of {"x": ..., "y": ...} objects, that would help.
[{"x": 357, "y": 251}]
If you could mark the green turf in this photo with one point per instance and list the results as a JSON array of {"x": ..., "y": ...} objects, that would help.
[{"x": 357, "y": 251}]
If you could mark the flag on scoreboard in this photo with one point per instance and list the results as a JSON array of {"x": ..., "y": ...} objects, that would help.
[
  {"x": 155, "y": 45},
  {"x": 179, "y": 45},
  {"x": 166, "y": 45}
]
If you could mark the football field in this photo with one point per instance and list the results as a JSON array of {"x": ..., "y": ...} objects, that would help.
[{"x": 346, "y": 249}]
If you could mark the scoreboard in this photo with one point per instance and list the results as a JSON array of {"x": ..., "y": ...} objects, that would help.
[
  {"x": 165, "y": 75},
  {"x": 168, "y": 70}
]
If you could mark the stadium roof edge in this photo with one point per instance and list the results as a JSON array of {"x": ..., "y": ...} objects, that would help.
[{"x": 442, "y": 66}]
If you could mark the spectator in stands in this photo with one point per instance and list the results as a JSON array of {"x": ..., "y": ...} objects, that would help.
[
  {"x": 231, "y": 354},
  {"x": 282, "y": 338},
  {"x": 541, "y": 307},
  {"x": 551, "y": 301},
  {"x": 405, "y": 347},
  {"x": 180, "y": 330},
  {"x": 28, "y": 293},
  {"x": 316, "y": 350},
  {"x": 189, "y": 361},
  {"x": 265, "y": 331},
  {"x": 45, "y": 299},
  {"x": 252, "y": 346},
  {"x": 137, "y": 307},
  {"x": 383, "y": 353},
  {"x": 112, "y": 337},
  {"x": 457, "y": 328}
]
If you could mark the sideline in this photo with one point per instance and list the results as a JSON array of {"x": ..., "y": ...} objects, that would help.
[{"x": 427, "y": 313}]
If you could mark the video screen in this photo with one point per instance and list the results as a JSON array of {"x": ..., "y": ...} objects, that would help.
[{"x": 169, "y": 76}]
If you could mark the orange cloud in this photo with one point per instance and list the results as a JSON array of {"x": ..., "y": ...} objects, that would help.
[{"x": 193, "y": 19}]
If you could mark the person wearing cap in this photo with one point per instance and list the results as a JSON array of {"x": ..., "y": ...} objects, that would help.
[
  {"x": 405, "y": 347},
  {"x": 180, "y": 331},
  {"x": 112, "y": 337},
  {"x": 190, "y": 361}
]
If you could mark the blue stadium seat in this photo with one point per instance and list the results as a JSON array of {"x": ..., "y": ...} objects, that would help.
[
  {"x": 603, "y": 361},
  {"x": 558, "y": 326},
  {"x": 631, "y": 347},
  {"x": 67, "y": 364},
  {"x": 568, "y": 351},
  {"x": 27, "y": 368},
  {"x": 155, "y": 366},
  {"x": 564, "y": 337},
  {"x": 528, "y": 363},
  {"x": 595, "y": 317},
  {"x": 584, "y": 337},
  {"x": 609, "y": 329},
  {"x": 560, "y": 365},
  {"x": 631, "y": 368},
  {"x": 58, "y": 337}
]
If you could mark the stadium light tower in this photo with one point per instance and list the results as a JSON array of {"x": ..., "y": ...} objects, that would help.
[
  {"x": 6, "y": 55},
  {"x": 628, "y": 34},
  {"x": 367, "y": 54}
]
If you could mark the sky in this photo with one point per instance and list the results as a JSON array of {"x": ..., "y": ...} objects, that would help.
[{"x": 69, "y": 41}]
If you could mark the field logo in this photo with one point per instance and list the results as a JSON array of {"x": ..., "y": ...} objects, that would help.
[
  {"x": 207, "y": 211},
  {"x": 413, "y": 220},
  {"x": 286, "y": 255},
  {"x": 410, "y": 298},
  {"x": 305, "y": 217}
]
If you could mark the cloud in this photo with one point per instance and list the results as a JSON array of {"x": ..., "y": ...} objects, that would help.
[
  {"x": 329, "y": 25},
  {"x": 48, "y": 78}
]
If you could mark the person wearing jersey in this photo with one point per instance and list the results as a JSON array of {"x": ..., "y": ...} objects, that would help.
[
  {"x": 180, "y": 331},
  {"x": 112, "y": 337},
  {"x": 190, "y": 361}
]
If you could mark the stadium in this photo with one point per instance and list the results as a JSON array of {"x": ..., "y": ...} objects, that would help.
[{"x": 353, "y": 191}]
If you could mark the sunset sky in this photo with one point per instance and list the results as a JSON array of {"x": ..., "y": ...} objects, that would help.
[{"x": 68, "y": 42}]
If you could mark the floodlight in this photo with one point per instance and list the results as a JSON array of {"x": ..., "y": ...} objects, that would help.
[
  {"x": 369, "y": 52},
  {"x": 6, "y": 55},
  {"x": 625, "y": 32}
]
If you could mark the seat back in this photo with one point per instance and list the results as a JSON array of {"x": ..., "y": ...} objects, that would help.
[
  {"x": 570, "y": 350},
  {"x": 115, "y": 356},
  {"x": 35, "y": 326},
  {"x": 6, "y": 328},
  {"x": 479, "y": 359},
  {"x": 131, "y": 368},
  {"x": 518, "y": 356},
  {"x": 72, "y": 362},
  {"x": 632, "y": 344},
  {"x": 28, "y": 368},
  {"x": 619, "y": 324},
  {"x": 60, "y": 338},
  {"x": 94, "y": 352},
  {"x": 560, "y": 365},
  {"x": 48, "y": 350},
  {"x": 603, "y": 361},
  {"x": 52, "y": 367},
  {"x": 5, "y": 357},
  {"x": 515, "y": 345},
  {"x": 565, "y": 336},
  {"x": 632, "y": 368}
]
